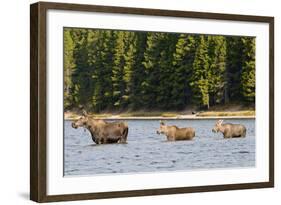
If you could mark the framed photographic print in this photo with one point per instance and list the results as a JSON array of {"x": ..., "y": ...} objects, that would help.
[{"x": 135, "y": 102}]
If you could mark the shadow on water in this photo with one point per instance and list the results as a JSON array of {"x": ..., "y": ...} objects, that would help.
[{"x": 101, "y": 145}]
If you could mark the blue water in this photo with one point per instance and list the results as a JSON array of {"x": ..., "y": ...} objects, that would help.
[{"x": 147, "y": 151}]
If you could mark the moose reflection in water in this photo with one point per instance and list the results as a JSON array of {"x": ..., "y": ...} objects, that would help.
[
  {"x": 103, "y": 132},
  {"x": 230, "y": 130},
  {"x": 174, "y": 133}
]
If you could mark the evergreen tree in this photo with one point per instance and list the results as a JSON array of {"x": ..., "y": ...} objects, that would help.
[
  {"x": 234, "y": 68},
  {"x": 81, "y": 75},
  {"x": 116, "y": 70},
  {"x": 166, "y": 81},
  {"x": 103, "y": 92},
  {"x": 138, "y": 71},
  {"x": 217, "y": 69},
  {"x": 183, "y": 65},
  {"x": 69, "y": 67},
  {"x": 200, "y": 73},
  {"x": 130, "y": 63},
  {"x": 151, "y": 77},
  {"x": 248, "y": 69}
]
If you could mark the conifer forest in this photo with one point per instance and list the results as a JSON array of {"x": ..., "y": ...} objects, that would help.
[{"x": 111, "y": 70}]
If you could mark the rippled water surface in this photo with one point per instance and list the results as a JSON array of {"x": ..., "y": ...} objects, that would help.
[{"x": 147, "y": 151}]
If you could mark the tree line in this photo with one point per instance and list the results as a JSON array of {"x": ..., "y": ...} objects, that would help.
[{"x": 115, "y": 70}]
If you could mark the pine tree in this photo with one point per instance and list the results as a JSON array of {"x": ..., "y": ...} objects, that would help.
[
  {"x": 199, "y": 79},
  {"x": 234, "y": 68},
  {"x": 151, "y": 77},
  {"x": 167, "y": 47},
  {"x": 130, "y": 64},
  {"x": 217, "y": 68},
  {"x": 116, "y": 70},
  {"x": 138, "y": 71},
  {"x": 69, "y": 67},
  {"x": 103, "y": 92},
  {"x": 248, "y": 69},
  {"x": 81, "y": 75},
  {"x": 183, "y": 65}
]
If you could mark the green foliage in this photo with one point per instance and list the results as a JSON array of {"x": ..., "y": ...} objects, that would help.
[
  {"x": 151, "y": 76},
  {"x": 217, "y": 69},
  {"x": 69, "y": 66},
  {"x": 234, "y": 68},
  {"x": 199, "y": 80},
  {"x": 167, "y": 82},
  {"x": 102, "y": 76},
  {"x": 137, "y": 73},
  {"x": 81, "y": 75},
  {"x": 116, "y": 70},
  {"x": 183, "y": 59},
  {"x": 248, "y": 70}
]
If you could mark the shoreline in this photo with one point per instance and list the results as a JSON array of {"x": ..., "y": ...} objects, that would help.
[{"x": 179, "y": 117}]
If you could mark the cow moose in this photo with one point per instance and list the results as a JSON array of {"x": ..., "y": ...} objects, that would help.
[
  {"x": 103, "y": 132},
  {"x": 229, "y": 130},
  {"x": 174, "y": 133}
]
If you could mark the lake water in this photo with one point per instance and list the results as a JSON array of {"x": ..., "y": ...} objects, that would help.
[{"x": 147, "y": 151}]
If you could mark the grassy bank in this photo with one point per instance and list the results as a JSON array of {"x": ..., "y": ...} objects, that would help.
[
  {"x": 72, "y": 115},
  {"x": 168, "y": 115},
  {"x": 150, "y": 114},
  {"x": 227, "y": 113}
]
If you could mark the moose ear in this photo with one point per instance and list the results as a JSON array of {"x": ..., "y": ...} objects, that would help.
[
  {"x": 84, "y": 113},
  {"x": 162, "y": 122}
]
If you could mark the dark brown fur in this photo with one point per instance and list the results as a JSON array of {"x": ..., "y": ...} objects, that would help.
[{"x": 103, "y": 132}]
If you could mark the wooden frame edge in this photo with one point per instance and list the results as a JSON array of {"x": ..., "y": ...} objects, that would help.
[
  {"x": 271, "y": 100},
  {"x": 37, "y": 102},
  {"x": 154, "y": 12},
  {"x": 34, "y": 191},
  {"x": 38, "y": 112},
  {"x": 155, "y": 192}
]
